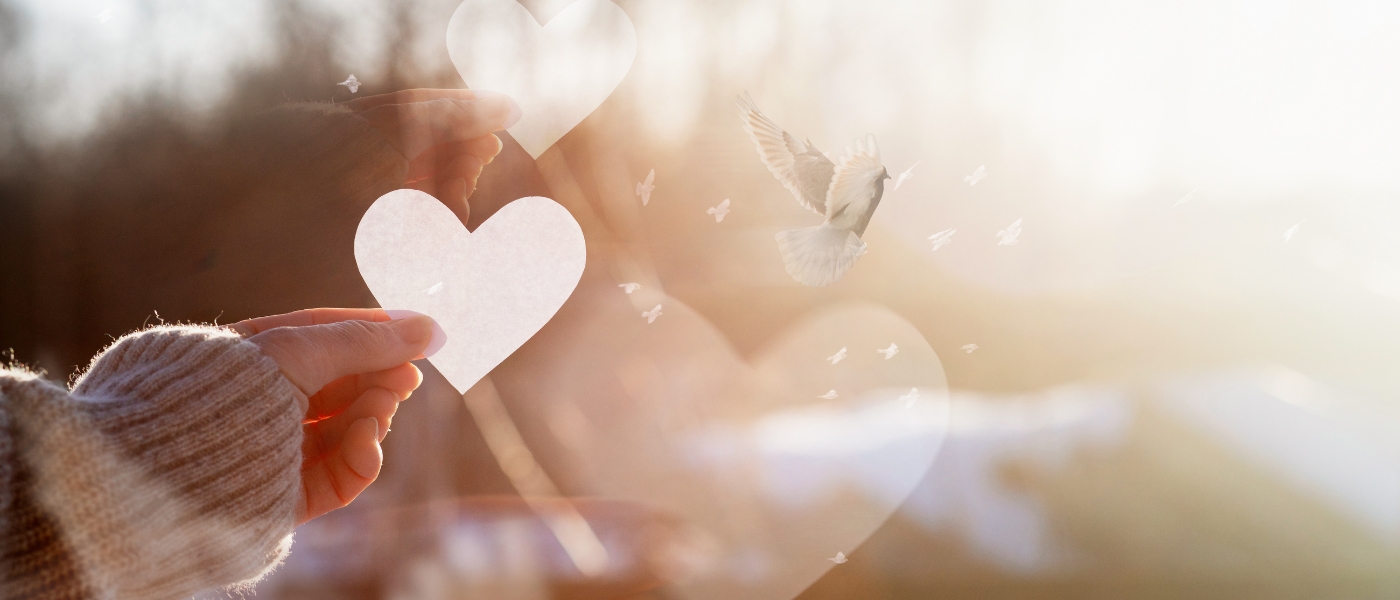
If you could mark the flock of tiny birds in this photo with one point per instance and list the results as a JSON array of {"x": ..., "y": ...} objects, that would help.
[{"x": 845, "y": 194}]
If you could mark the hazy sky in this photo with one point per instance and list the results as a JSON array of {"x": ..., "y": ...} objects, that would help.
[
  {"x": 1255, "y": 97},
  {"x": 1082, "y": 111}
]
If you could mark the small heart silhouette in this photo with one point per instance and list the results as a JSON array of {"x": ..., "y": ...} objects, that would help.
[
  {"x": 490, "y": 290},
  {"x": 558, "y": 73}
]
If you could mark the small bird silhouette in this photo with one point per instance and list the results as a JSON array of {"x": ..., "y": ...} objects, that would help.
[
  {"x": 630, "y": 287},
  {"x": 840, "y": 558},
  {"x": 906, "y": 175},
  {"x": 831, "y": 395},
  {"x": 437, "y": 287},
  {"x": 942, "y": 238},
  {"x": 351, "y": 84},
  {"x": 846, "y": 193},
  {"x": 969, "y": 348},
  {"x": 652, "y": 314},
  {"x": 889, "y": 352},
  {"x": 1288, "y": 235},
  {"x": 976, "y": 176},
  {"x": 838, "y": 357},
  {"x": 1008, "y": 236},
  {"x": 719, "y": 211},
  {"x": 1184, "y": 199},
  {"x": 644, "y": 188},
  {"x": 910, "y": 398}
]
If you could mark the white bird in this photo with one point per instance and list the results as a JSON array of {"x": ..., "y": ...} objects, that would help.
[
  {"x": 889, "y": 352},
  {"x": 652, "y": 314},
  {"x": 630, "y": 287},
  {"x": 838, "y": 357},
  {"x": 104, "y": 16},
  {"x": 831, "y": 395},
  {"x": 907, "y": 174},
  {"x": 976, "y": 176},
  {"x": 437, "y": 287},
  {"x": 969, "y": 348},
  {"x": 910, "y": 398},
  {"x": 351, "y": 83},
  {"x": 1008, "y": 236},
  {"x": 942, "y": 238},
  {"x": 644, "y": 188},
  {"x": 1288, "y": 235},
  {"x": 1185, "y": 199},
  {"x": 846, "y": 193},
  {"x": 840, "y": 558},
  {"x": 719, "y": 211}
]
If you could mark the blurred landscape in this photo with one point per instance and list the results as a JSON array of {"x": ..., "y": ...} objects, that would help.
[{"x": 1168, "y": 399}]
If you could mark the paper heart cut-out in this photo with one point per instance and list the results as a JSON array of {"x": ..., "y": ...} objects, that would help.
[
  {"x": 772, "y": 478},
  {"x": 558, "y": 73},
  {"x": 490, "y": 290}
]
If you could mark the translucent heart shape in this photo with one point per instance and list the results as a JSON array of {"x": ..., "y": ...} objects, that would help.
[
  {"x": 558, "y": 73},
  {"x": 772, "y": 475}
]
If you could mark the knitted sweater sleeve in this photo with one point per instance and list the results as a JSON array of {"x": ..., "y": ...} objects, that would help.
[{"x": 172, "y": 466}]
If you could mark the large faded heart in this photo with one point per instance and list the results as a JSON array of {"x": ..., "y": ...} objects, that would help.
[
  {"x": 490, "y": 290},
  {"x": 558, "y": 73},
  {"x": 771, "y": 473}
]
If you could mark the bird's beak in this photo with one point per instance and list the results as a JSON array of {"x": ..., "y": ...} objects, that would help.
[{"x": 887, "y": 175}]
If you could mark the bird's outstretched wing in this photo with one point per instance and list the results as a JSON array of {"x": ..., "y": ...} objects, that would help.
[
  {"x": 800, "y": 167},
  {"x": 848, "y": 200}
]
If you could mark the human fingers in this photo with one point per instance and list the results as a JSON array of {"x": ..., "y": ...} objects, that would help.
[
  {"x": 416, "y": 126},
  {"x": 337, "y": 395},
  {"x": 406, "y": 96},
  {"x": 315, "y": 355},
  {"x": 323, "y": 438},
  {"x": 310, "y": 316},
  {"x": 462, "y": 167},
  {"x": 444, "y": 168},
  {"x": 485, "y": 148},
  {"x": 333, "y": 482}
]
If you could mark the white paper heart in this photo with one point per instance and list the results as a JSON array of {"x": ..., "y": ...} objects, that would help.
[
  {"x": 558, "y": 73},
  {"x": 490, "y": 290}
]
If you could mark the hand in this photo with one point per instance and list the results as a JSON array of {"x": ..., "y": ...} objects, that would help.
[
  {"x": 353, "y": 365},
  {"x": 445, "y": 135}
]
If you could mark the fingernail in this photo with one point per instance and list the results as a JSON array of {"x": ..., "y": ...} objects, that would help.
[
  {"x": 515, "y": 112},
  {"x": 413, "y": 327},
  {"x": 438, "y": 340}
]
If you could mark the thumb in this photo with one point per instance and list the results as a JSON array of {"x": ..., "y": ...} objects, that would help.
[{"x": 315, "y": 355}]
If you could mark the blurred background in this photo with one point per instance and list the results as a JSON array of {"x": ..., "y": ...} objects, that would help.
[{"x": 1183, "y": 382}]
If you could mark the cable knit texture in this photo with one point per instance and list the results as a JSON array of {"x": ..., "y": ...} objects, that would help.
[{"x": 173, "y": 466}]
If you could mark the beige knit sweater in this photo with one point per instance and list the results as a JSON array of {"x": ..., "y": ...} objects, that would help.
[{"x": 171, "y": 466}]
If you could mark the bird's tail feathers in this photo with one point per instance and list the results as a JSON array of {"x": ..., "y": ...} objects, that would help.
[{"x": 818, "y": 256}]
